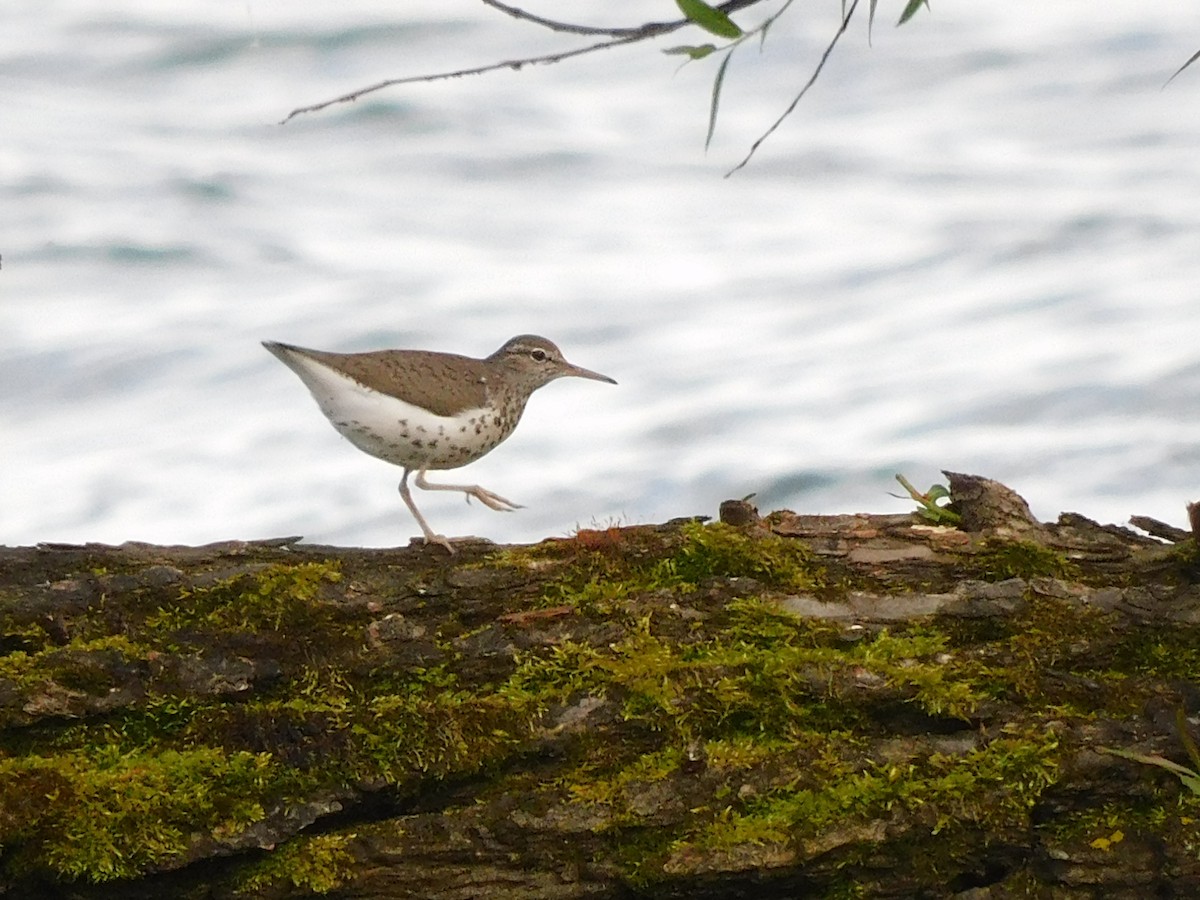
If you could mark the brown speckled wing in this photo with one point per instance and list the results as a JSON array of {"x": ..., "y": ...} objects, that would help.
[{"x": 443, "y": 383}]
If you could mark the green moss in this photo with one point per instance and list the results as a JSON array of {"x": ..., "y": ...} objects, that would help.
[
  {"x": 991, "y": 789},
  {"x": 20, "y": 637},
  {"x": 1165, "y": 813},
  {"x": 158, "y": 720},
  {"x": 130, "y": 793},
  {"x": 741, "y": 752},
  {"x": 994, "y": 786},
  {"x": 597, "y": 571},
  {"x": 114, "y": 796},
  {"x": 280, "y": 598},
  {"x": 759, "y": 622},
  {"x": 73, "y": 664},
  {"x": 615, "y": 786},
  {"x": 1185, "y": 560},
  {"x": 454, "y": 733},
  {"x": 722, "y": 551},
  {"x": 109, "y": 815},
  {"x": 1000, "y": 560},
  {"x": 763, "y": 728},
  {"x": 396, "y": 728},
  {"x": 766, "y": 675},
  {"x": 782, "y": 704},
  {"x": 316, "y": 863},
  {"x": 1019, "y": 656},
  {"x": 1161, "y": 653}
]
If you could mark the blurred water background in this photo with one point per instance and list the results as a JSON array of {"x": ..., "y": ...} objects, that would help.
[{"x": 975, "y": 246}]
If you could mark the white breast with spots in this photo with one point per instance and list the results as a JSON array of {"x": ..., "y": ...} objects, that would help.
[{"x": 394, "y": 430}]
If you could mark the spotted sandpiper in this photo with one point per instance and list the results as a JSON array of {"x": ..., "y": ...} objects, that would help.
[{"x": 423, "y": 410}]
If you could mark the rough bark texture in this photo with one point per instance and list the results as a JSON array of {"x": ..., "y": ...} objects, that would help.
[{"x": 793, "y": 705}]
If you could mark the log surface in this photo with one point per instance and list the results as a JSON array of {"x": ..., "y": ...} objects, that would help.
[{"x": 866, "y": 705}]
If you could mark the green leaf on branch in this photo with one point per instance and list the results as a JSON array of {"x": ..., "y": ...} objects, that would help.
[
  {"x": 692, "y": 52},
  {"x": 716, "y": 98},
  {"x": 910, "y": 10},
  {"x": 927, "y": 502},
  {"x": 709, "y": 18}
]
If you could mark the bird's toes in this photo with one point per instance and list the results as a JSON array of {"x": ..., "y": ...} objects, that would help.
[
  {"x": 442, "y": 541},
  {"x": 493, "y": 501}
]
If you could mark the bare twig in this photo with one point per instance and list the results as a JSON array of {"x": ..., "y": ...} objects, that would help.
[
  {"x": 566, "y": 27},
  {"x": 514, "y": 64},
  {"x": 649, "y": 29},
  {"x": 804, "y": 90}
]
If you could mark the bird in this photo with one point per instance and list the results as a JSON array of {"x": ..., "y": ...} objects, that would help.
[{"x": 424, "y": 410}]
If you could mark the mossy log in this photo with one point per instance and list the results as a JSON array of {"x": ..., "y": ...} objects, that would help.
[{"x": 842, "y": 706}]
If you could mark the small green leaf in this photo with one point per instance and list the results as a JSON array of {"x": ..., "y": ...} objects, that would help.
[
  {"x": 692, "y": 52},
  {"x": 709, "y": 18},
  {"x": 927, "y": 503},
  {"x": 911, "y": 10},
  {"x": 716, "y": 98},
  {"x": 937, "y": 492}
]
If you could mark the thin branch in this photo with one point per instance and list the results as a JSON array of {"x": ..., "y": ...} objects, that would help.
[
  {"x": 619, "y": 36},
  {"x": 649, "y": 29},
  {"x": 804, "y": 90},
  {"x": 513, "y": 64},
  {"x": 566, "y": 27}
]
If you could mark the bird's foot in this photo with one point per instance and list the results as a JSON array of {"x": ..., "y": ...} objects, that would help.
[
  {"x": 490, "y": 500},
  {"x": 483, "y": 495},
  {"x": 441, "y": 540},
  {"x": 448, "y": 543}
]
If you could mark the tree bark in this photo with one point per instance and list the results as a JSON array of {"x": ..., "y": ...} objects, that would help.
[{"x": 867, "y": 705}]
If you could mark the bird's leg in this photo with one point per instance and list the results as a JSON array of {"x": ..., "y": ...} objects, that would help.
[
  {"x": 430, "y": 537},
  {"x": 486, "y": 497}
]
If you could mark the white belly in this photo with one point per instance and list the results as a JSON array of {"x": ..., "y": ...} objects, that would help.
[{"x": 396, "y": 431}]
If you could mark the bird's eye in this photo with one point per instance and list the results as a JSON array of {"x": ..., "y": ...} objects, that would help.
[{"x": 539, "y": 355}]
